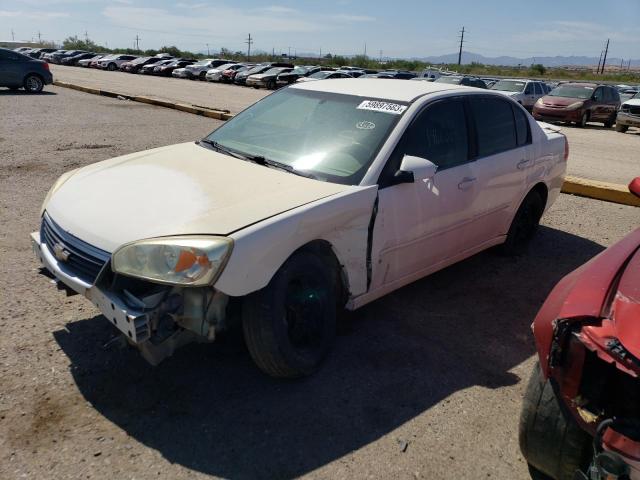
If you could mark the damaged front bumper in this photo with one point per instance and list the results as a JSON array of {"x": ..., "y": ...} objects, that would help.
[{"x": 157, "y": 319}]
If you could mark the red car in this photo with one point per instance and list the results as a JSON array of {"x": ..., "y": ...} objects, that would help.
[
  {"x": 579, "y": 103},
  {"x": 581, "y": 411}
]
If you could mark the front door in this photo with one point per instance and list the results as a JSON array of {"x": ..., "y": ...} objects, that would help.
[{"x": 423, "y": 224}]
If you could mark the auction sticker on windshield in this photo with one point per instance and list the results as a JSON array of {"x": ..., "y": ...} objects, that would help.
[{"x": 386, "y": 107}]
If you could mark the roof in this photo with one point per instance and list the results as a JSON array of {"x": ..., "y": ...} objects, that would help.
[
  {"x": 582, "y": 84},
  {"x": 390, "y": 89}
]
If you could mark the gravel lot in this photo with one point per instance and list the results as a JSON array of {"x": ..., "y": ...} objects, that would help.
[
  {"x": 595, "y": 152},
  {"x": 425, "y": 383}
]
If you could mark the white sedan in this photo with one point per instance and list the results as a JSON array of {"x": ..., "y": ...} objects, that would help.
[{"x": 322, "y": 196}]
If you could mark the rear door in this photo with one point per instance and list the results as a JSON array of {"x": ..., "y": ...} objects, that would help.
[
  {"x": 504, "y": 156},
  {"x": 599, "y": 111}
]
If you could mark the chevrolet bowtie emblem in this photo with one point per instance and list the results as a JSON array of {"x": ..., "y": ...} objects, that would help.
[{"x": 60, "y": 253}]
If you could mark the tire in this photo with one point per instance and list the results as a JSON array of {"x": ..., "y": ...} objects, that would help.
[
  {"x": 583, "y": 120},
  {"x": 289, "y": 326},
  {"x": 203, "y": 76},
  {"x": 550, "y": 440},
  {"x": 271, "y": 85},
  {"x": 611, "y": 122},
  {"x": 621, "y": 128},
  {"x": 111, "y": 67},
  {"x": 33, "y": 83},
  {"x": 524, "y": 225}
]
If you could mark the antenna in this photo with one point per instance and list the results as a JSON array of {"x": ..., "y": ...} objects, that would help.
[
  {"x": 249, "y": 42},
  {"x": 461, "y": 43}
]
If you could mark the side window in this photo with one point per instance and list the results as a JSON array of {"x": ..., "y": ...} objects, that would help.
[
  {"x": 598, "y": 95},
  {"x": 615, "y": 96},
  {"x": 538, "y": 88},
  {"x": 495, "y": 125},
  {"x": 440, "y": 134},
  {"x": 528, "y": 89},
  {"x": 523, "y": 130}
]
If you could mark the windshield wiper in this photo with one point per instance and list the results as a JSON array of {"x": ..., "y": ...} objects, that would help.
[{"x": 258, "y": 159}]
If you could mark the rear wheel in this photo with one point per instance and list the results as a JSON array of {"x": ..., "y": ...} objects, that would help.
[
  {"x": 111, "y": 67},
  {"x": 621, "y": 128},
  {"x": 33, "y": 83},
  {"x": 203, "y": 76},
  {"x": 550, "y": 439},
  {"x": 289, "y": 326},
  {"x": 524, "y": 224}
]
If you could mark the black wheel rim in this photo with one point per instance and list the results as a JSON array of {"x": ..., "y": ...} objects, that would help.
[{"x": 305, "y": 311}]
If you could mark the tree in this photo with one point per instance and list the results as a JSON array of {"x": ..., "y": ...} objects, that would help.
[
  {"x": 538, "y": 68},
  {"x": 75, "y": 43}
]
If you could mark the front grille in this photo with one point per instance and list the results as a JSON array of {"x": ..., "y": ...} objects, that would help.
[
  {"x": 633, "y": 109},
  {"x": 84, "y": 261}
]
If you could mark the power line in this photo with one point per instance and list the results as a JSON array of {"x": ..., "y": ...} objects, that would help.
[
  {"x": 249, "y": 42},
  {"x": 604, "y": 60},
  {"x": 461, "y": 44}
]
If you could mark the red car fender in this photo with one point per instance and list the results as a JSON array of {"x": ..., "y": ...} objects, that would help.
[{"x": 582, "y": 293}]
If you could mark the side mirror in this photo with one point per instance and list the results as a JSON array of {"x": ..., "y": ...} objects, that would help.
[
  {"x": 414, "y": 169},
  {"x": 634, "y": 186}
]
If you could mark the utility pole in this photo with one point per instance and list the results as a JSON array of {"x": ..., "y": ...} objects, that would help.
[
  {"x": 249, "y": 42},
  {"x": 604, "y": 60},
  {"x": 621, "y": 63},
  {"x": 629, "y": 65},
  {"x": 137, "y": 42},
  {"x": 461, "y": 44},
  {"x": 13, "y": 35},
  {"x": 39, "y": 37},
  {"x": 380, "y": 61},
  {"x": 365, "y": 50},
  {"x": 289, "y": 54},
  {"x": 599, "y": 61},
  {"x": 86, "y": 36}
]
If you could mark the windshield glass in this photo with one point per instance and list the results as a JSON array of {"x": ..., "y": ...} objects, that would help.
[
  {"x": 572, "y": 91},
  {"x": 321, "y": 75},
  {"x": 300, "y": 70},
  {"x": 509, "y": 86},
  {"x": 453, "y": 80},
  {"x": 141, "y": 60},
  {"x": 329, "y": 136}
]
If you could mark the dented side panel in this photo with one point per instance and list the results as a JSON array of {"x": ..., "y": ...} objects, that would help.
[{"x": 261, "y": 249}]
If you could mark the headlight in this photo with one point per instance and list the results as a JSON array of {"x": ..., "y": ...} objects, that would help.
[
  {"x": 189, "y": 261},
  {"x": 540, "y": 102},
  {"x": 575, "y": 106},
  {"x": 58, "y": 183}
]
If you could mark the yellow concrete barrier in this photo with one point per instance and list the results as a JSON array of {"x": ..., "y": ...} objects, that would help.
[{"x": 608, "y": 192}]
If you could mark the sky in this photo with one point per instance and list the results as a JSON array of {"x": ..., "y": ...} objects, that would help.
[{"x": 389, "y": 28}]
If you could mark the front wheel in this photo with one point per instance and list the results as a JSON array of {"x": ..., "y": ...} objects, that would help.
[
  {"x": 111, "y": 67},
  {"x": 583, "y": 120},
  {"x": 524, "y": 224},
  {"x": 33, "y": 83},
  {"x": 621, "y": 128},
  {"x": 289, "y": 326},
  {"x": 550, "y": 439},
  {"x": 609, "y": 123}
]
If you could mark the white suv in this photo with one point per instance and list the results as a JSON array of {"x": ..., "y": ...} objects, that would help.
[{"x": 114, "y": 62}]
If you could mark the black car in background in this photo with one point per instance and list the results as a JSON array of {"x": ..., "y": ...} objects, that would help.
[
  {"x": 166, "y": 70},
  {"x": 464, "y": 80},
  {"x": 298, "y": 72},
  {"x": 397, "y": 74},
  {"x": 73, "y": 60},
  {"x": 37, "y": 52},
  {"x": 57, "y": 57},
  {"x": 149, "y": 68},
  {"x": 20, "y": 71},
  {"x": 241, "y": 77}
]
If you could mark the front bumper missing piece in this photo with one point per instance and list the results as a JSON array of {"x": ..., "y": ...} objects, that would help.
[{"x": 198, "y": 319}]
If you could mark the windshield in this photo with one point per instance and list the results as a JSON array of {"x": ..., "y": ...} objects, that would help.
[
  {"x": 572, "y": 91},
  {"x": 509, "y": 86},
  {"x": 201, "y": 63},
  {"x": 328, "y": 136},
  {"x": 321, "y": 75},
  {"x": 141, "y": 60},
  {"x": 452, "y": 80}
]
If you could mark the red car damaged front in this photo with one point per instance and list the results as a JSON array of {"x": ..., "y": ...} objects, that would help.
[{"x": 587, "y": 335}]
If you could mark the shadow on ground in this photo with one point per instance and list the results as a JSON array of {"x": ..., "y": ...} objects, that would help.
[
  {"x": 8, "y": 92},
  {"x": 209, "y": 409}
]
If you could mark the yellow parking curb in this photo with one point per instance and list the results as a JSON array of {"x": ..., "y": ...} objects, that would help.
[
  {"x": 206, "y": 112},
  {"x": 608, "y": 192}
]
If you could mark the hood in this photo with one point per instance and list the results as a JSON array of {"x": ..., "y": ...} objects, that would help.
[
  {"x": 175, "y": 190},
  {"x": 560, "y": 101},
  {"x": 260, "y": 76},
  {"x": 635, "y": 102}
]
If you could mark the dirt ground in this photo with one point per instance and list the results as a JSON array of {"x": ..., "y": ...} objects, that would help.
[
  {"x": 596, "y": 152},
  {"x": 425, "y": 383}
]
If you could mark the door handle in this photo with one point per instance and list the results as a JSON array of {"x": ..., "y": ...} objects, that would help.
[
  {"x": 522, "y": 164},
  {"x": 466, "y": 183}
]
